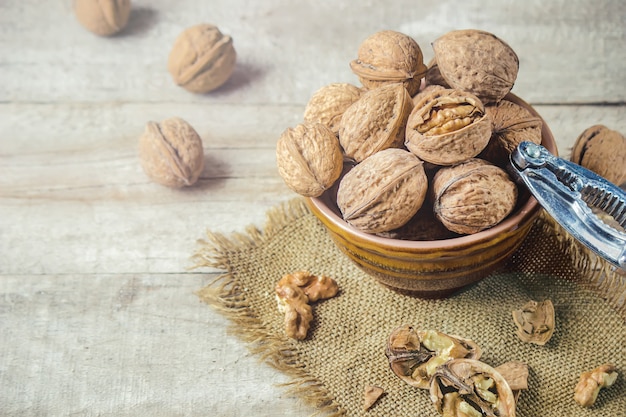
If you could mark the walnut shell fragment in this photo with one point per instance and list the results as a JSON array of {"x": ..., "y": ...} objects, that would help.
[
  {"x": 414, "y": 355},
  {"x": 389, "y": 57},
  {"x": 171, "y": 153},
  {"x": 295, "y": 292},
  {"x": 376, "y": 121},
  {"x": 535, "y": 322},
  {"x": 202, "y": 58},
  {"x": 603, "y": 151},
  {"x": 371, "y": 395},
  {"x": 103, "y": 17},
  {"x": 512, "y": 124},
  {"x": 472, "y": 196},
  {"x": 447, "y": 127},
  {"x": 328, "y": 104},
  {"x": 309, "y": 158},
  {"x": 516, "y": 375},
  {"x": 468, "y": 387},
  {"x": 590, "y": 383},
  {"x": 383, "y": 192},
  {"x": 477, "y": 61}
]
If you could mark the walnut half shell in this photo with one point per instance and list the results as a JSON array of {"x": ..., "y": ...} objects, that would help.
[
  {"x": 414, "y": 355},
  {"x": 468, "y": 387}
]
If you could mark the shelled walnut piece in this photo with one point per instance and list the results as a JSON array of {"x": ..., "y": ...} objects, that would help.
[
  {"x": 590, "y": 383},
  {"x": 294, "y": 292},
  {"x": 535, "y": 322},
  {"x": 414, "y": 355}
]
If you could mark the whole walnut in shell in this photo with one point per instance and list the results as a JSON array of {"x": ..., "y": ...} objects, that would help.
[
  {"x": 202, "y": 58},
  {"x": 447, "y": 127},
  {"x": 171, "y": 153},
  {"x": 376, "y": 121},
  {"x": 512, "y": 124},
  {"x": 103, "y": 17},
  {"x": 603, "y": 151},
  {"x": 328, "y": 104},
  {"x": 383, "y": 192},
  {"x": 472, "y": 196},
  {"x": 389, "y": 57},
  {"x": 478, "y": 62},
  {"x": 309, "y": 158}
]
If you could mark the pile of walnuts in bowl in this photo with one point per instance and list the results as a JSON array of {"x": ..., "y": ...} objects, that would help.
[{"x": 418, "y": 151}]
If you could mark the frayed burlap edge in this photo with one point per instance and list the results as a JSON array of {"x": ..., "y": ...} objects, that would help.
[
  {"x": 594, "y": 271},
  {"x": 224, "y": 294}
]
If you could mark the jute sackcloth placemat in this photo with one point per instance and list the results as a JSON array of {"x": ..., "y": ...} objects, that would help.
[{"x": 344, "y": 350}]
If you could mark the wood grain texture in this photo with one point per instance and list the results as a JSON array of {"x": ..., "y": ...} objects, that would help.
[{"x": 98, "y": 314}]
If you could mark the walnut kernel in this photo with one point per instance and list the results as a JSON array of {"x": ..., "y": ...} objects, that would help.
[
  {"x": 295, "y": 292},
  {"x": 171, "y": 152},
  {"x": 447, "y": 127},
  {"x": 590, "y": 383},
  {"x": 202, "y": 58},
  {"x": 103, "y": 17}
]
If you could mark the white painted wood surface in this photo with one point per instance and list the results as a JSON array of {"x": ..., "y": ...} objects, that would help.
[{"x": 97, "y": 308}]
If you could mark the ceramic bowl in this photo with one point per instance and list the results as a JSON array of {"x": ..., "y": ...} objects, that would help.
[{"x": 437, "y": 268}]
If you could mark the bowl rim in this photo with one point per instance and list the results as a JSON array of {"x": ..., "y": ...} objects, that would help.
[{"x": 513, "y": 222}]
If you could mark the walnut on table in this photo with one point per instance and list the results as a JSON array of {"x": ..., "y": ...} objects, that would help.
[{"x": 294, "y": 292}]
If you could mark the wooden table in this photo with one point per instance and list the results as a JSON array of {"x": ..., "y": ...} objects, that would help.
[{"x": 98, "y": 314}]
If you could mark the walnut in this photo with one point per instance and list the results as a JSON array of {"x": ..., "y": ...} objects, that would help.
[
  {"x": 171, "y": 152},
  {"x": 294, "y": 292},
  {"x": 447, "y": 127},
  {"x": 103, "y": 17},
  {"x": 383, "y": 192},
  {"x": 309, "y": 158},
  {"x": 535, "y": 322},
  {"x": 376, "y": 121},
  {"x": 422, "y": 226},
  {"x": 414, "y": 355},
  {"x": 427, "y": 90},
  {"x": 433, "y": 75},
  {"x": 590, "y": 383},
  {"x": 328, "y": 104},
  {"x": 472, "y": 196},
  {"x": 371, "y": 394},
  {"x": 512, "y": 124},
  {"x": 603, "y": 151},
  {"x": 202, "y": 58},
  {"x": 468, "y": 387},
  {"x": 389, "y": 57},
  {"x": 478, "y": 62}
]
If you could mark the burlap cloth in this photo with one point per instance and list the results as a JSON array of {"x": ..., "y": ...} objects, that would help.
[{"x": 344, "y": 350}]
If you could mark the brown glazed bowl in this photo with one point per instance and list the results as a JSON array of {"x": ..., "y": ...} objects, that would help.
[{"x": 437, "y": 268}]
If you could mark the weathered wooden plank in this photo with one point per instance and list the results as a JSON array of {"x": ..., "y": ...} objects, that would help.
[
  {"x": 570, "y": 51},
  {"x": 126, "y": 345}
]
